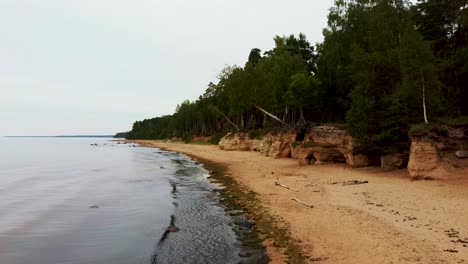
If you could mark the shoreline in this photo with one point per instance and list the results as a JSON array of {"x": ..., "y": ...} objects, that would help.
[
  {"x": 272, "y": 238},
  {"x": 250, "y": 248},
  {"x": 390, "y": 219}
]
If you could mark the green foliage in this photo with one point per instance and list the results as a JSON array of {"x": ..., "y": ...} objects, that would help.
[
  {"x": 453, "y": 121},
  {"x": 419, "y": 72},
  {"x": 216, "y": 138},
  {"x": 420, "y": 129},
  {"x": 257, "y": 133},
  {"x": 361, "y": 121},
  {"x": 369, "y": 74},
  {"x": 294, "y": 144},
  {"x": 187, "y": 137},
  {"x": 445, "y": 25},
  {"x": 438, "y": 127}
]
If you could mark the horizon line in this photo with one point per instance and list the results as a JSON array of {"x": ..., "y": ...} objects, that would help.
[{"x": 58, "y": 136}]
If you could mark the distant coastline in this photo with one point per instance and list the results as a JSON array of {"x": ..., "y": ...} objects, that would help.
[{"x": 64, "y": 136}]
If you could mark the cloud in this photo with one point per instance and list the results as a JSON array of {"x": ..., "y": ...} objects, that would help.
[{"x": 140, "y": 57}]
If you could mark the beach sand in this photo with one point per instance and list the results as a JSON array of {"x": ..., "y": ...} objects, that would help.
[{"x": 390, "y": 219}]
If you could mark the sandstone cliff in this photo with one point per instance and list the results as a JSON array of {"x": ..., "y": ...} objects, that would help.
[
  {"x": 439, "y": 154},
  {"x": 329, "y": 143},
  {"x": 239, "y": 141},
  {"x": 319, "y": 145}
]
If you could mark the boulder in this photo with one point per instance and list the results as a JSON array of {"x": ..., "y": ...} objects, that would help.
[
  {"x": 390, "y": 161},
  {"x": 357, "y": 160},
  {"x": 461, "y": 154}
]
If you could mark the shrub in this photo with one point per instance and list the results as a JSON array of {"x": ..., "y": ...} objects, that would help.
[
  {"x": 458, "y": 121},
  {"x": 294, "y": 144},
  {"x": 187, "y": 137},
  {"x": 257, "y": 133},
  {"x": 216, "y": 138}
]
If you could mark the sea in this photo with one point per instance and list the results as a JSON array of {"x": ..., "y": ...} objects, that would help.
[{"x": 97, "y": 200}]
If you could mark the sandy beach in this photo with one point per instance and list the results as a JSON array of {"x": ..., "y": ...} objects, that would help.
[{"x": 389, "y": 219}]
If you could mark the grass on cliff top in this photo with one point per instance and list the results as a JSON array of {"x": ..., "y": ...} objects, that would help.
[{"x": 440, "y": 124}]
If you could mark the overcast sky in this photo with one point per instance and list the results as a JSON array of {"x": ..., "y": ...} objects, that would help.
[{"x": 96, "y": 66}]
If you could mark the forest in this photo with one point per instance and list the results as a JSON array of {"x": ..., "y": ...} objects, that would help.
[{"x": 383, "y": 67}]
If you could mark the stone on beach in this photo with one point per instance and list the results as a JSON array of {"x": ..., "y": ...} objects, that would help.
[{"x": 462, "y": 154}]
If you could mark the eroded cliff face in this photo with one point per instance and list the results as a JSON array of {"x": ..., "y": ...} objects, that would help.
[
  {"x": 425, "y": 161},
  {"x": 270, "y": 145},
  {"x": 319, "y": 145},
  {"x": 239, "y": 141},
  {"x": 329, "y": 143},
  {"x": 440, "y": 154}
]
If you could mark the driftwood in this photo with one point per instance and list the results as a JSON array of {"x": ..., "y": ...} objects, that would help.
[
  {"x": 354, "y": 182},
  {"x": 277, "y": 183},
  {"x": 300, "y": 202}
]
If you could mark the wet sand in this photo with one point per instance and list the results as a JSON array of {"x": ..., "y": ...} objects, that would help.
[{"x": 389, "y": 219}]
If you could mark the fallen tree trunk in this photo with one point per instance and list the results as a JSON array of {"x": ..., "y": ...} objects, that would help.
[
  {"x": 272, "y": 116},
  {"x": 229, "y": 120}
]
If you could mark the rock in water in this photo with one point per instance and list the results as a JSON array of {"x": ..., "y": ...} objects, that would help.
[
  {"x": 94, "y": 206},
  {"x": 462, "y": 154},
  {"x": 172, "y": 229}
]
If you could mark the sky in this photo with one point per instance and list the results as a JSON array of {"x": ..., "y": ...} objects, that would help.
[{"x": 97, "y": 66}]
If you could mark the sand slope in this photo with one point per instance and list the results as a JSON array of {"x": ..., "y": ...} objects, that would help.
[{"x": 388, "y": 220}]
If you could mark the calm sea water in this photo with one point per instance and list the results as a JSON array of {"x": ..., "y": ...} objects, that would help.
[{"x": 49, "y": 186}]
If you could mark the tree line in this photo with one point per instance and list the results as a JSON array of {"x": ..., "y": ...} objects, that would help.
[{"x": 383, "y": 65}]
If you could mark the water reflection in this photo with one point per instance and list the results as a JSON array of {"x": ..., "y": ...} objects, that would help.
[{"x": 48, "y": 185}]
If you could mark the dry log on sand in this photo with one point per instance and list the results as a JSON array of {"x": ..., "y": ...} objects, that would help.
[
  {"x": 277, "y": 183},
  {"x": 301, "y": 202}
]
